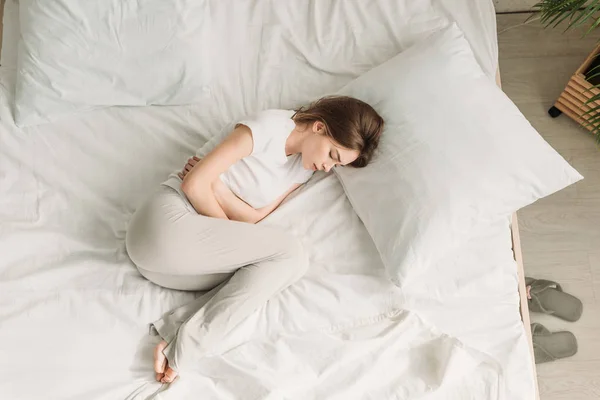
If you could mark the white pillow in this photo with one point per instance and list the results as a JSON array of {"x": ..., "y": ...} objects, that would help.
[
  {"x": 455, "y": 153},
  {"x": 78, "y": 55}
]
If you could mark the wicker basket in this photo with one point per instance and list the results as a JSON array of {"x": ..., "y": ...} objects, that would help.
[{"x": 578, "y": 90}]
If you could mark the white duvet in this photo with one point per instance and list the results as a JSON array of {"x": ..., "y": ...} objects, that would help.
[{"x": 74, "y": 311}]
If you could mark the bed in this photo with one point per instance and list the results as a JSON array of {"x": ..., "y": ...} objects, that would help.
[{"x": 75, "y": 312}]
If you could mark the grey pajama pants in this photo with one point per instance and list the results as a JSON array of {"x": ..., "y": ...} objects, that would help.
[{"x": 242, "y": 264}]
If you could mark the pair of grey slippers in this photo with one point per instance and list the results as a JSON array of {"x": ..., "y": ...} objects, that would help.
[{"x": 548, "y": 297}]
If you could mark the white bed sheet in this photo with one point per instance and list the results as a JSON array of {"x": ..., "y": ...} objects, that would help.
[{"x": 74, "y": 311}]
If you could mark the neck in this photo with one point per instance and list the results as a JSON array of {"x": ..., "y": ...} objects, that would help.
[{"x": 293, "y": 144}]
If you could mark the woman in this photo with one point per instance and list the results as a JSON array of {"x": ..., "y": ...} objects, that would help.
[{"x": 196, "y": 232}]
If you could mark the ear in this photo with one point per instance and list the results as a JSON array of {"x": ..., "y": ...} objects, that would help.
[{"x": 318, "y": 127}]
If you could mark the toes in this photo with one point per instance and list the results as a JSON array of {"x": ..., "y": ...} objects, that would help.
[
  {"x": 170, "y": 375},
  {"x": 159, "y": 377}
]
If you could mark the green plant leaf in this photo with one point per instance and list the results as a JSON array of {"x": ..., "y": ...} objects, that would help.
[
  {"x": 593, "y": 26},
  {"x": 591, "y": 114},
  {"x": 571, "y": 11},
  {"x": 563, "y": 16},
  {"x": 592, "y": 105},
  {"x": 592, "y": 121},
  {"x": 590, "y": 118},
  {"x": 586, "y": 13},
  {"x": 597, "y": 66},
  {"x": 595, "y": 97},
  {"x": 589, "y": 90},
  {"x": 577, "y": 13},
  {"x": 589, "y": 77},
  {"x": 592, "y": 111},
  {"x": 554, "y": 12}
]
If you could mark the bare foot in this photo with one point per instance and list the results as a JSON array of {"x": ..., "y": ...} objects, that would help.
[
  {"x": 164, "y": 374},
  {"x": 160, "y": 361},
  {"x": 170, "y": 375}
]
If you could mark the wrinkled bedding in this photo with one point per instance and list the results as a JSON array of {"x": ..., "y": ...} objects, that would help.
[{"x": 74, "y": 311}]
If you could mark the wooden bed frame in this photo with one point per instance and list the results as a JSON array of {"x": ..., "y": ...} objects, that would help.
[
  {"x": 518, "y": 255},
  {"x": 516, "y": 242},
  {"x": 516, "y": 246}
]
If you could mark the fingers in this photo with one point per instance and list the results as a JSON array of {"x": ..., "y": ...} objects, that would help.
[
  {"x": 191, "y": 162},
  {"x": 185, "y": 171}
]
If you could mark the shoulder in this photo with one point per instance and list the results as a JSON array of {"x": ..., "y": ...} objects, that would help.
[
  {"x": 269, "y": 122},
  {"x": 268, "y": 128},
  {"x": 269, "y": 116}
]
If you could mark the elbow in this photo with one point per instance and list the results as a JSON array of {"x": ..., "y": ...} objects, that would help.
[
  {"x": 246, "y": 217},
  {"x": 259, "y": 215},
  {"x": 190, "y": 188},
  {"x": 253, "y": 219},
  {"x": 186, "y": 187}
]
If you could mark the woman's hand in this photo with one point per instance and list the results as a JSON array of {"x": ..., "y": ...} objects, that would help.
[
  {"x": 197, "y": 181},
  {"x": 188, "y": 167},
  {"x": 238, "y": 210},
  {"x": 263, "y": 212},
  {"x": 235, "y": 208}
]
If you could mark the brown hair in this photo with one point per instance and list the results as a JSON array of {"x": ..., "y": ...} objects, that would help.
[{"x": 351, "y": 122}]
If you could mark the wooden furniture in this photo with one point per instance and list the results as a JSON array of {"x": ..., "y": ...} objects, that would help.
[
  {"x": 516, "y": 241},
  {"x": 518, "y": 256},
  {"x": 572, "y": 100}
]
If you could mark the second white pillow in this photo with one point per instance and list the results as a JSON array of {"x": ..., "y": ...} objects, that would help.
[
  {"x": 78, "y": 55},
  {"x": 455, "y": 153}
]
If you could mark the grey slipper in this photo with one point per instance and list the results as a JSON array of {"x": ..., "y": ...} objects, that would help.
[
  {"x": 548, "y": 297},
  {"x": 550, "y": 346}
]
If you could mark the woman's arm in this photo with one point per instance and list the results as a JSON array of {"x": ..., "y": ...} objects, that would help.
[
  {"x": 198, "y": 182},
  {"x": 235, "y": 208},
  {"x": 238, "y": 210},
  {"x": 265, "y": 211},
  {"x": 232, "y": 206}
]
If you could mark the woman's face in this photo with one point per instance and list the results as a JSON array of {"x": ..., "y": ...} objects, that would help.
[{"x": 321, "y": 153}]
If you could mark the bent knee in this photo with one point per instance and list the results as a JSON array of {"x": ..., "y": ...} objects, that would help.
[
  {"x": 137, "y": 244},
  {"x": 298, "y": 255},
  {"x": 142, "y": 245}
]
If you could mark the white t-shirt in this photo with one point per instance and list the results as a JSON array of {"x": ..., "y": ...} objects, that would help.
[{"x": 267, "y": 172}]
